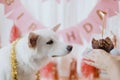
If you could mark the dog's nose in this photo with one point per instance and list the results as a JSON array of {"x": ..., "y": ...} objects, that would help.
[{"x": 69, "y": 48}]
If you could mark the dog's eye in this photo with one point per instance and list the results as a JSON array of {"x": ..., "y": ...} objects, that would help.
[{"x": 50, "y": 42}]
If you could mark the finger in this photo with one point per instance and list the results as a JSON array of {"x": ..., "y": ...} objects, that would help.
[
  {"x": 90, "y": 63},
  {"x": 90, "y": 57},
  {"x": 94, "y": 64}
]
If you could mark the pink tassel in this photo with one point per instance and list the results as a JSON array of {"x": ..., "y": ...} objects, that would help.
[{"x": 15, "y": 33}]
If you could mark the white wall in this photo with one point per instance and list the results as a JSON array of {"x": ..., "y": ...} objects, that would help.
[
  {"x": 50, "y": 12},
  {"x": 5, "y": 27}
]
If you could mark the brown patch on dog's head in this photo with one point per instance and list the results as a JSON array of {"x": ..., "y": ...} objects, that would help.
[{"x": 32, "y": 39}]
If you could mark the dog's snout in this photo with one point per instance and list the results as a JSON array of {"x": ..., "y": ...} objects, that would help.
[{"x": 69, "y": 48}]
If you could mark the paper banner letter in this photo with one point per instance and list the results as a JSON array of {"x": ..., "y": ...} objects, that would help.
[
  {"x": 101, "y": 14},
  {"x": 88, "y": 27},
  {"x": 72, "y": 36}
]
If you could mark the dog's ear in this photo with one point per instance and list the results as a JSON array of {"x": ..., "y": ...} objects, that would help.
[
  {"x": 55, "y": 28},
  {"x": 32, "y": 40}
]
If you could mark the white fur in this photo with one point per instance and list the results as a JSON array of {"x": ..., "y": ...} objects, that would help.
[{"x": 31, "y": 60}]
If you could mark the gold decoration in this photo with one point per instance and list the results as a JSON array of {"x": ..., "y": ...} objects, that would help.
[
  {"x": 14, "y": 64},
  {"x": 102, "y": 15},
  {"x": 38, "y": 75}
]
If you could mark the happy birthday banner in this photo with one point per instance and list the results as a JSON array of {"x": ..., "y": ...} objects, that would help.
[{"x": 91, "y": 25}]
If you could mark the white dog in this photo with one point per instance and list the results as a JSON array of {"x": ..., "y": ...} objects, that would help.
[{"x": 33, "y": 51}]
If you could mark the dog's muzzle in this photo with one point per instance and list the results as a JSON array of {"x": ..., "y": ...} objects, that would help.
[{"x": 68, "y": 48}]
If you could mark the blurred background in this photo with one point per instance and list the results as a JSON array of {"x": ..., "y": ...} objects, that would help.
[{"x": 71, "y": 14}]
